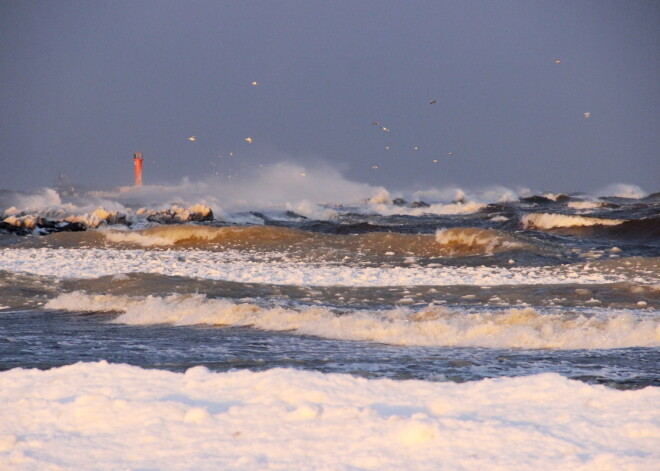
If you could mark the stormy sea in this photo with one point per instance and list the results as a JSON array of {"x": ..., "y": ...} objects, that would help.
[{"x": 183, "y": 328}]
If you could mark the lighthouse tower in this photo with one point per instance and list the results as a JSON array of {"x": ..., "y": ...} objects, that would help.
[{"x": 137, "y": 161}]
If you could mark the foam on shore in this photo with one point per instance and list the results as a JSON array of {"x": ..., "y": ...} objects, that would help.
[{"x": 105, "y": 416}]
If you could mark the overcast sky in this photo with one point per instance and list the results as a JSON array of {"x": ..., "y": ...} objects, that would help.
[{"x": 84, "y": 84}]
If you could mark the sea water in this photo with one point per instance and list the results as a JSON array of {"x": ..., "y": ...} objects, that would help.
[{"x": 507, "y": 333}]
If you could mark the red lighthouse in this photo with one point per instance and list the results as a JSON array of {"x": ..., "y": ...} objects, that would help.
[{"x": 137, "y": 161}]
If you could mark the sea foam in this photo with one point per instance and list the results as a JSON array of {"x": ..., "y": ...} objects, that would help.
[
  {"x": 115, "y": 416},
  {"x": 240, "y": 267}
]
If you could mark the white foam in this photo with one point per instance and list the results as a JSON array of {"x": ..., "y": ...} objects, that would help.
[
  {"x": 552, "y": 196},
  {"x": 431, "y": 326},
  {"x": 47, "y": 203},
  {"x": 584, "y": 205},
  {"x": 239, "y": 267},
  {"x": 437, "y": 208},
  {"x": 549, "y": 221},
  {"x": 313, "y": 211},
  {"x": 380, "y": 196},
  {"x": 381, "y": 202},
  {"x": 104, "y": 416},
  {"x": 450, "y": 194}
]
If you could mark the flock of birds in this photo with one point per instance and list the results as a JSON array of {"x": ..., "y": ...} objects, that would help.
[
  {"x": 382, "y": 127},
  {"x": 387, "y": 130},
  {"x": 375, "y": 123}
]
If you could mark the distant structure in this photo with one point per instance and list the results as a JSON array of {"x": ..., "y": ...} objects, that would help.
[{"x": 137, "y": 161}]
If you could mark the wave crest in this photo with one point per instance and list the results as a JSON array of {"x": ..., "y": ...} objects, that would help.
[
  {"x": 190, "y": 235},
  {"x": 447, "y": 242},
  {"x": 551, "y": 221},
  {"x": 432, "y": 326},
  {"x": 475, "y": 241}
]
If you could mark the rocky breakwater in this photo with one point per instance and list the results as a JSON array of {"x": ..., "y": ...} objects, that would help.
[{"x": 17, "y": 222}]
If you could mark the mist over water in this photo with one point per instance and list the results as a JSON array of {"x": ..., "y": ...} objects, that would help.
[{"x": 284, "y": 186}]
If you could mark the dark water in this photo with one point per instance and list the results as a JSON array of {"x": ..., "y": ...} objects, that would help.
[
  {"x": 34, "y": 336},
  {"x": 46, "y": 339}
]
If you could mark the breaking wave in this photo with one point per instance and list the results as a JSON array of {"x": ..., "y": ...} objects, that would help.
[
  {"x": 432, "y": 209},
  {"x": 585, "y": 205},
  {"x": 432, "y": 326},
  {"x": 473, "y": 241},
  {"x": 446, "y": 242},
  {"x": 551, "y": 221},
  {"x": 190, "y": 235},
  {"x": 645, "y": 230}
]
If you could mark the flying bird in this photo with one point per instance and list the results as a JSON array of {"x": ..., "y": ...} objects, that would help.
[
  {"x": 254, "y": 83},
  {"x": 386, "y": 129},
  {"x": 375, "y": 123},
  {"x": 192, "y": 138},
  {"x": 433, "y": 102},
  {"x": 416, "y": 148},
  {"x": 248, "y": 140},
  {"x": 557, "y": 61},
  {"x": 587, "y": 114}
]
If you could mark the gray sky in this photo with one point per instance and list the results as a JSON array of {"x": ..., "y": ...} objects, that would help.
[{"x": 84, "y": 84}]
